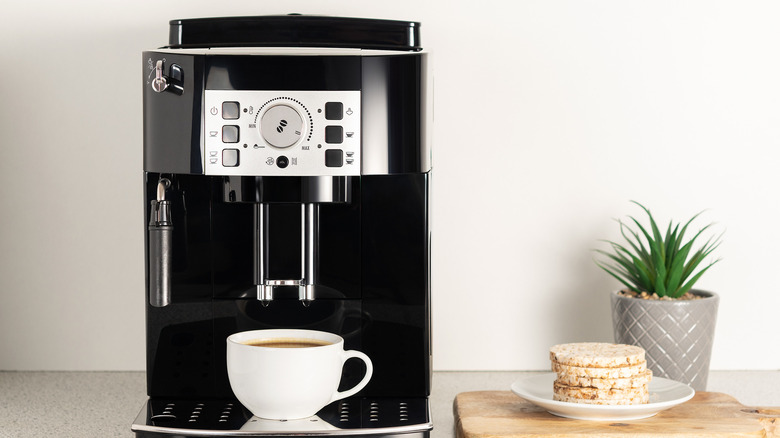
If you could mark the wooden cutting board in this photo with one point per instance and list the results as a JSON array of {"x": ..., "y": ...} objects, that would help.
[{"x": 502, "y": 414}]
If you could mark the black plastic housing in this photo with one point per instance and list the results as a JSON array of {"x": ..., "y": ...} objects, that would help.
[
  {"x": 392, "y": 88},
  {"x": 374, "y": 287},
  {"x": 374, "y": 266},
  {"x": 295, "y": 31}
]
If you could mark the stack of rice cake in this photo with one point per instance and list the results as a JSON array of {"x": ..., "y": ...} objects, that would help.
[{"x": 600, "y": 374}]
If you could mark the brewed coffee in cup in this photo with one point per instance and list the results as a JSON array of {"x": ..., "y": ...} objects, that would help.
[
  {"x": 282, "y": 374},
  {"x": 286, "y": 343}
]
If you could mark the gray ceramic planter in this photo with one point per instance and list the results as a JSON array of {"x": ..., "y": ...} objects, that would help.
[{"x": 677, "y": 335}]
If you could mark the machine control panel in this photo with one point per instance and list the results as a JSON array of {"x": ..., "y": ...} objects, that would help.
[{"x": 294, "y": 133}]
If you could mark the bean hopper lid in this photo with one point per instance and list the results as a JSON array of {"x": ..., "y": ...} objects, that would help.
[{"x": 295, "y": 31}]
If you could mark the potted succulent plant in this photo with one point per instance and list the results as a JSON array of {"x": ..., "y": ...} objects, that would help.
[{"x": 659, "y": 310}]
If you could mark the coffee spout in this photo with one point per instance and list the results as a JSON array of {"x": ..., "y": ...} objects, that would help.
[
  {"x": 309, "y": 257},
  {"x": 306, "y": 294},
  {"x": 265, "y": 294}
]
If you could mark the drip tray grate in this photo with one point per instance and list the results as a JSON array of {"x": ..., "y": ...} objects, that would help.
[
  {"x": 225, "y": 415},
  {"x": 216, "y": 415}
]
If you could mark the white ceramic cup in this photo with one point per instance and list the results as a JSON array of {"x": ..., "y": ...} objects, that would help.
[{"x": 289, "y": 383}]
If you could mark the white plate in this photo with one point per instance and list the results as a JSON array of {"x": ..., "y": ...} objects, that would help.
[{"x": 664, "y": 394}]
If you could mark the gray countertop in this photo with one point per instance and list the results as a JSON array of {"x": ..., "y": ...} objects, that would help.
[{"x": 104, "y": 404}]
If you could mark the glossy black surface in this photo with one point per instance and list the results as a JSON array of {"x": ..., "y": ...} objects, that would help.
[
  {"x": 295, "y": 31},
  {"x": 270, "y": 72},
  {"x": 373, "y": 287},
  {"x": 172, "y": 127},
  {"x": 392, "y": 102},
  {"x": 395, "y": 282}
]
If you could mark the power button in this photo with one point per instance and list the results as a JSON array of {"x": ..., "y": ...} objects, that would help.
[{"x": 282, "y": 161}]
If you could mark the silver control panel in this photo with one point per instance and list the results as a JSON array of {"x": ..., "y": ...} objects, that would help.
[{"x": 294, "y": 133}]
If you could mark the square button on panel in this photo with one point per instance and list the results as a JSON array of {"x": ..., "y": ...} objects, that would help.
[
  {"x": 230, "y": 134},
  {"x": 230, "y": 110},
  {"x": 334, "y": 158},
  {"x": 334, "y": 134},
  {"x": 230, "y": 157},
  {"x": 334, "y": 110}
]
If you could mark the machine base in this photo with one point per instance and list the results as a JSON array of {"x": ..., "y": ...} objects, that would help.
[{"x": 356, "y": 417}]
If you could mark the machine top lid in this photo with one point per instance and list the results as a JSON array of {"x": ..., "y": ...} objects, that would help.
[{"x": 295, "y": 30}]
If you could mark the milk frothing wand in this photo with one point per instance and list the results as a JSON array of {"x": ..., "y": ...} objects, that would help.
[{"x": 160, "y": 247}]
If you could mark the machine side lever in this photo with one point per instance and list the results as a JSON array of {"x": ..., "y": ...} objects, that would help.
[
  {"x": 160, "y": 248},
  {"x": 160, "y": 81},
  {"x": 173, "y": 82}
]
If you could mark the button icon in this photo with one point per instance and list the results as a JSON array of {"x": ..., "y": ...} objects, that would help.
[
  {"x": 349, "y": 111},
  {"x": 213, "y": 133},
  {"x": 270, "y": 161},
  {"x": 350, "y": 134},
  {"x": 214, "y": 111},
  {"x": 294, "y": 161}
]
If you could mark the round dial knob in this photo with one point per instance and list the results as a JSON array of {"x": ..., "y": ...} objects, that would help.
[{"x": 281, "y": 126}]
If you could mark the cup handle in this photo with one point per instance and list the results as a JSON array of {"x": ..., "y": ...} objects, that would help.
[{"x": 369, "y": 371}]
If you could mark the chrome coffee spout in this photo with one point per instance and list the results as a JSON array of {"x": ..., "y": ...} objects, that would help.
[
  {"x": 309, "y": 259},
  {"x": 265, "y": 292},
  {"x": 309, "y": 253}
]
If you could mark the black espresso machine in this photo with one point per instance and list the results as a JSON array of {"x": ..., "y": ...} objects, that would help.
[{"x": 287, "y": 177}]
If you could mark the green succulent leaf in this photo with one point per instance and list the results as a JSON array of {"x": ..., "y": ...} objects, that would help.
[
  {"x": 672, "y": 242},
  {"x": 618, "y": 277},
  {"x": 687, "y": 286},
  {"x": 634, "y": 268}
]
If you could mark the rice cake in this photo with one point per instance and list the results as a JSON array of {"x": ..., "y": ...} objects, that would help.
[
  {"x": 628, "y": 395},
  {"x": 605, "y": 383},
  {"x": 597, "y": 355},
  {"x": 631, "y": 401},
  {"x": 601, "y": 373}
]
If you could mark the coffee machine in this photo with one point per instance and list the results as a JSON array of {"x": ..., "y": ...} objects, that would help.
[{"x": 287, "y": 177}]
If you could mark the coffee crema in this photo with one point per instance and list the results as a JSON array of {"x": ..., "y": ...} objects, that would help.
[{"x": 286, "y": 343}]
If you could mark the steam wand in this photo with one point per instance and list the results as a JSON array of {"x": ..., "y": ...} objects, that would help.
[{"x": 160, "y": 247}]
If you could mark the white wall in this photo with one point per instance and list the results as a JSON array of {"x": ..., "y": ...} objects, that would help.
[{"x": 549, "y": 117}]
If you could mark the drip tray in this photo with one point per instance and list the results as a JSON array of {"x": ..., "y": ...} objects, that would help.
[{"x": 356, "y": 416}]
